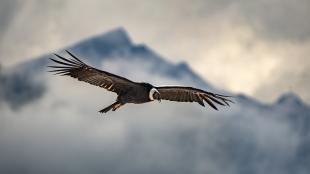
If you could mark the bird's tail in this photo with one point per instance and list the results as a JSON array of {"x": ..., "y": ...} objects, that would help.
[{"x": 113, "y": 106}]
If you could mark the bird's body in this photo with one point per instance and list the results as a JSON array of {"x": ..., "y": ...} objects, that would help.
[
  {"x": 137, "y": 95},
  {"x": 133, "y": 92}
]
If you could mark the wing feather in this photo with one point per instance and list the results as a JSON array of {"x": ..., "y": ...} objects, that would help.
[
  {"x": 77, "y": 69},
  {"x": 189, "y": 94}
]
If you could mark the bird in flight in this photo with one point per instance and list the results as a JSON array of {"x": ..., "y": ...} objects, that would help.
[{"x": 133, "y": 92}]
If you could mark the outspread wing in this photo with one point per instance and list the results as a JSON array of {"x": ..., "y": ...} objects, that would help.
[
  {"x": 75, "y": 68},
  {"x": 189, "y": 94}
]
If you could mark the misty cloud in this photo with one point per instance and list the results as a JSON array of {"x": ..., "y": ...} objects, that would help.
[
  {"x": 18, "y": 89},
  {"x": 63, "y": 133}
]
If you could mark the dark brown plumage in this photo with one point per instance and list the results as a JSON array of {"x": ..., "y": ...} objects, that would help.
[
  {"x": 78, "y": 69},
  {"x": 133, "y": 92},
  {"x": 190, "y": 94}
]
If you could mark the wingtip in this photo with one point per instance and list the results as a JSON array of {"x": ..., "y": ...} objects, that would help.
[
  {"x": 214, "y": 107},
  {"x": 74, "y": 56},
  {"x": 57, "y": 55},
  {"x": 68, "y": 51},
  {"x": 54, "y": 60},
  {"x": 201, "y": 103}
]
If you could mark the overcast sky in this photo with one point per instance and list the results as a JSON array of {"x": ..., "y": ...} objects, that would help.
[{"x": 260, "y": 47}]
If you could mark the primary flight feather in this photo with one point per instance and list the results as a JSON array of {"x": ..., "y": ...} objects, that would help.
[{"x": 133, "y": 92}]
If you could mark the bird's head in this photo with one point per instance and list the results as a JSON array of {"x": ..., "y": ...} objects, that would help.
[{"x": 154, "y": 95}]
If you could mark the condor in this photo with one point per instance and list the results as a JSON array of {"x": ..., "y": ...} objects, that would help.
[{"x": 133, "y": 92}]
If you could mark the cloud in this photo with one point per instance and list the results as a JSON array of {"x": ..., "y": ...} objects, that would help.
[
  {"x": 8, "y": 9},
  {"x": 292, "y": 75},
  {"x": 270, "y": 19},
  {"x": 17, "y": 89}
]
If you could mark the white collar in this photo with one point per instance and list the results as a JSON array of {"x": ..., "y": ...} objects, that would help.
[{"x": 152, "y": 91}]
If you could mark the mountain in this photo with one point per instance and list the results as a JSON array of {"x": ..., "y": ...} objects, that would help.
[
  {"x": 51, "y": 122},
  {"x": 110, "y": 46},
  {"x": 114, "y": 45}
]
